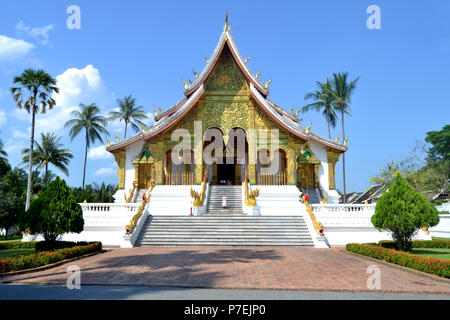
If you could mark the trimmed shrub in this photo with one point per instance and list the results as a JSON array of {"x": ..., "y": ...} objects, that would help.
[
  {"x": 17, "y": 245},
  {"x": 429, "y": 265},
  {"x": 418, "y": 244},
  {"x": 46, "y": 257},
  {"x": 56, "y": 245},
  {"x": 402, "y": 212}
]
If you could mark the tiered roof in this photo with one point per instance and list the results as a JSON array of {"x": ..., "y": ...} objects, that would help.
[{"x": 194, "y": 91}]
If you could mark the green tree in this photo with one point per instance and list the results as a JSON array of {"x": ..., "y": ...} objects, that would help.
[
  {"x": 49, "y": 151},
  {"x": 323, "y": 102},
  {"x": 93, "y": 124},
  {"x": 4, "y": 165},
  {"x": 104, "y": 193},
  {"x": 54, "y": 212},
  {"x": 129, "y": 113},
  {"x": 36, "y": 86},
  {"x": 341, "y": 91},
  {"x": 402, "y": 212},
  {"x": 440, "y": 141},
  {"x": 3, "y": 154},
  {"x": 12, "y": 198}
]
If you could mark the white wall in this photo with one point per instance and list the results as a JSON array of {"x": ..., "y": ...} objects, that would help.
[
  {"x": 132, "y": 151},
  {"x": 321, "y": 153}
]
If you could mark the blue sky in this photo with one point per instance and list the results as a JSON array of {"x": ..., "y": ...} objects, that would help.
[{"x": 144, "y": 48}]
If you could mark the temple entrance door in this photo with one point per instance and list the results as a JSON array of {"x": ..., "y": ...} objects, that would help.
[
  {"x": 144, "y": 176},
  {"x": 226, "y": 173},
  {"x": 306, "y": 177}
]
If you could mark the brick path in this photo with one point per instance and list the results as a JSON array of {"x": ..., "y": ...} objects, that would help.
[{"x": 236, "y": 267}]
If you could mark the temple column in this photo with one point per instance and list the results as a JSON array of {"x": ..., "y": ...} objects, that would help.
[
  {"x": 251, "y": 139},
  {"x": 333, "y": 157},
  {"x": 198, "y": 159},
  {"x": 158, "y": 151},
  {"x": 291, "y": 161},
  {"x": 120, "y": 160}
]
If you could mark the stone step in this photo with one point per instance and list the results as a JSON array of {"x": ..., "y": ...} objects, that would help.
[{"x": 227, "y": 243}]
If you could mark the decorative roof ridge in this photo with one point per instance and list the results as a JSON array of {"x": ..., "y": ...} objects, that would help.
[
  {"x": 225, "y": 36},
  {"x": 284, "y": 112},
  {"x": 172, "y": 108}
]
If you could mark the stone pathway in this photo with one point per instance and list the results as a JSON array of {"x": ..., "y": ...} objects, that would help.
[{"x": 281, "y": 268}]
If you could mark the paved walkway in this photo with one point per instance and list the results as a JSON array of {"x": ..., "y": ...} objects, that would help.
[{"x": 280, "y": 268}]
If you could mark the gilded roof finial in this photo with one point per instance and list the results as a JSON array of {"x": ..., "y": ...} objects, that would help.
[
  {"x": 308, "y": 129},
  {"x": 207, "y": 60},
  {"x": 186, "y": 86},
  {"x": 298, "y": 111},
  {"x": 258, "y": 74},
  {"x": 195, "y": 73},
  {"x": 337, "y": 139},
  {"x": 246, "y": 59},
  {"x": 109, "y": 142},
  {"x": 292, "y": 109},
  {"x": 226, "y": 20},
  {"x": 117, "y": 138},
  {"x": 345, "y": 142},
  {"x": 266, "y": 86},
  {"x": 159, "y": 109},
  {"x": 143, "y": 128},
  {"x": 156, "y": 112}
]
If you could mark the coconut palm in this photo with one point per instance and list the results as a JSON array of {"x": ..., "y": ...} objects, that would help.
[
  {"x": 93, "y": 124},
  {"x": 49, "y": 151},
  {"x": 3, "y": 153},
  {"x": 129, "y": 113},
  {"x": 341, "y": 91},
  {"x": 104, "y": 193},
  {"x": 36, "y": 86},
  {"x": 323, "y": 102}
]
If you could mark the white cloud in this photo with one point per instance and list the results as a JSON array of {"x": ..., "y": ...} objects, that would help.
[
  {"x": 99, "y": 153},
  {"x": 13, "y": 49},
  {"x": 2, "y": 117},
  {"x": 105, "y": 172},
  {"x": 39, "y": 33},
  {"x": 12, "y": 147},
  {"x": 17, "y": 134}
]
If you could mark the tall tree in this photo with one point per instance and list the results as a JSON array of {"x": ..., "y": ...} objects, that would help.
[
  {"x": 3, "y": 153},
  {"x": 49, "y": 151},
  {"x": 341, "y": 91},
  {"x": 129, "y": 113},
  {"x": 93, "y": 124},
  {"x": 38, "y": 86},
  {"x": 323, "y": 102},
  {"x": 440, "y": 141}
]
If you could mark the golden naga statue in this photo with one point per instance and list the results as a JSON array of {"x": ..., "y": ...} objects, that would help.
[
  {"x": 345, "y": 142},
  {"x": 195, "y": 73},
  {"x": 292, "y": 109},
  {"x": 108, "y": 142},
  {"x": 258, "y": 74},
  {"x": 117, "y": 138},
  {"x": 266, "y": 86},
  {"x": 308, "y": 129},
  {"x": 207, "y": 60},
  {"x": 156, "y": 112},
  {"x": 337, "y": 139},
  {"x": 246, "y": 59},
  {"x": 143, "y": 128},
  {"x": 298, "y": 112}
]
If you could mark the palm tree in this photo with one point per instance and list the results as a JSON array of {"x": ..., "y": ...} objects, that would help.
[
  {"x": 104, "y": 193},
  {"x": 3, "y": 153},
  {"x": 341, "y": 92},
  {"x": 49, "y": 151},
  {"x": 323, "y": 100},
  {"x": 129, "y": 113},
  {"x": 94, "y": 125},
  {"x": 38, "y": 86}
]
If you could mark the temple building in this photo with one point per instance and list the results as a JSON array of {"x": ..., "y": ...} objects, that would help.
[{"x": 227, "y": 95}]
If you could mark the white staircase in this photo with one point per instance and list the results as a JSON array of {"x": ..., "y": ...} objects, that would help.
[
  {"x": 225, "y": 230},
  {"x": 234, "y": 200}
]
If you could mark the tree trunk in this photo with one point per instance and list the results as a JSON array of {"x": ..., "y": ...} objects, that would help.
[
  {"x": 343, "y": 158},
  {"x": 30, "y": 163},
  {"x": 46, "y": 173},
  {"x": 328, "y": 122},
  {"x": 125, "y": 135},
  {"x": 85, "y": 158}
]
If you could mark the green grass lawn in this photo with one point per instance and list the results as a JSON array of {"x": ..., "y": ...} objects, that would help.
[
  {"x": 439, "y": 238},
  {"x": 439, "y": 253},
  {"x": 15, "y": 252}
]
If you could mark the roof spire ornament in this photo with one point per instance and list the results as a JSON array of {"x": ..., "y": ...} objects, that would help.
[
  {"x": 109, "y": 142},
  {"x": 345, "y": 142},
  {"x": 156, "y": 112},
  {"x": 226, "y": 20},
  {"x": 195, "y": 73},
  {"x": 298, "y": 111},
  {"x": 266, "y": 86},
  {"x": 292, "y": 109},
  {"x": 258, "y": 74},
  {"x": 308, "y": 129},
  {"x": 117, "y": 138},
  {"x": 207, "y": 60},
  {"x": 246, "y": 59},
  {"x": 337, "y": 139}
]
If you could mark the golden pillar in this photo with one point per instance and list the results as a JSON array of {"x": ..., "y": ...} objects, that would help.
[
  {"x": 158, "y": 151},
  {"x": 120, "y": 160},
  {"x": 198, "y": 160},
  {"x": 251, "y": 139},
  {"x": 291, "y": 160},
  {"x": 333, "y": 157}
]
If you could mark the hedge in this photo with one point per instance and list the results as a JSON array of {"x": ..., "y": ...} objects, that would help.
[
  {"x": 46, "y": 257},
  {"x": 41, "y": 245},
  {"x": 17, "y": 245},
  {"x": 430, "y": 265},
  {"x": 445, "y": 244}
]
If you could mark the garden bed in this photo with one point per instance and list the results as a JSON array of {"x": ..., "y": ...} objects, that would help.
[
  {"x": 44, "y": 258},
  {"x": 430, "y": 265}
]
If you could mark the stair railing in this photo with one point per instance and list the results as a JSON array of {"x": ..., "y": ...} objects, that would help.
[
  {"x": 324, "y": 200},
  {"x": 317, "y": 225},
  {"x": 199, "y": 198},
  {"x": 128, "y": 200},
  {"x": 250, "y": 196},
  {"x": 129, "y": 229}
]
